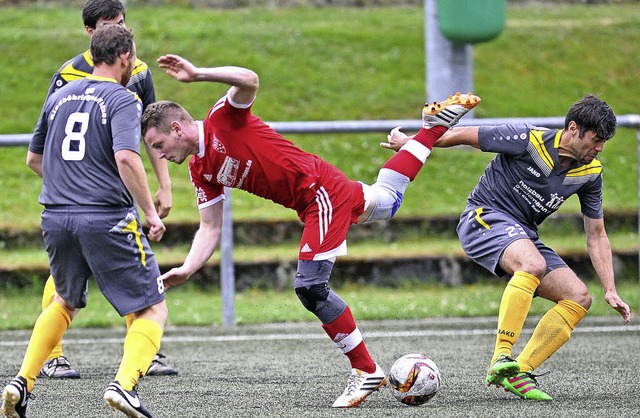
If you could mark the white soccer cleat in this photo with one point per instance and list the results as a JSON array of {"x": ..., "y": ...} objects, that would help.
[
  {"x": 449, "y": 111},
  {"x": 58, "y": 368},
  {"x": 360, "y": 386},
  {"x": 125, "y": 401}
]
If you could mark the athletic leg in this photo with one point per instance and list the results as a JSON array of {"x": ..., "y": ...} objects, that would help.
[
  {"x": 384, "y": 197},
  {"x": 554, "y": 328},
  {"x": 522, "y": 259},
  {"x": 311, "y": 286},
  {"x": 56, "y": 364}
]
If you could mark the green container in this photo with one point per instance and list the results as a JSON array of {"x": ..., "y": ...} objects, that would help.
[{"x": 471, "y": 21}]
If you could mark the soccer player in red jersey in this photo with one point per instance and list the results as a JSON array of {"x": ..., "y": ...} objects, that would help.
[{"x": 233, "y": 148}]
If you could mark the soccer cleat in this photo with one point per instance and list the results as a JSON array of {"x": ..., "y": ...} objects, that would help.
[
  {"x": 15, "y": 398},
  {"x": 58, "y": 368},
  {"x": 158, "y": 368},
  {"x": 125, "y": 401},
  {"x": 449, "y": 111},
  {"x": 360, "y": 385},
  {"x": 525, "y": 386},
  {"x": 502, "y": 368}
]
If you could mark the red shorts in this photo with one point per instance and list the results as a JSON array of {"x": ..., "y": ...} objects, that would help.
[{"x": 338, "y": 203}]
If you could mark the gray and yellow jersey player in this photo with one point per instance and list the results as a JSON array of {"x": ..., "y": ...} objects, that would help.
[
  {"x": 527, "y": 181},
  {"x": 534, "y": 172},
  {"x": 97, "y": 13},
  {"x": 81, "y": 66}
]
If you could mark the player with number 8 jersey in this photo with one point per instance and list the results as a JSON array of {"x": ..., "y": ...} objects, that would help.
[
  {"x": 83, "y": 171},
  {"x": 87, "y": 150}
]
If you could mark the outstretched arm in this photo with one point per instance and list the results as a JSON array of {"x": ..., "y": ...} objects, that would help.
[
  {"x": 599, "y": 249},
  {"x": 204, "y": 244},
  {"x": 244, "y": 82},
  {"x": 463, "y": 135}
]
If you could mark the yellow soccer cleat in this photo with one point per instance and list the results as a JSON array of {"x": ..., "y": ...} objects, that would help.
[{"x": 449, "y": 111}]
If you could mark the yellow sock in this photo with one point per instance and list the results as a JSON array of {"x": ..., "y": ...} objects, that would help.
[
  {"x": 48, "y": 329},
  {"x": 48, "y": 294},
  {"x": 140, "y": 346},
  {"x": 553, "y": 330},
  {"x": 514, "y": 307}
]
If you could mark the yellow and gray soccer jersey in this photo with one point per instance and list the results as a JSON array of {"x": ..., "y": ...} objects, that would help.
[
  {"x": 81, "y": 66},
  {"x": 525, "y": 179},
  {"x": 81, "y": 127}
]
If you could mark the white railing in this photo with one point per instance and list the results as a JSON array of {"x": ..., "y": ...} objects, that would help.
[{"x": 227, "y": 275}]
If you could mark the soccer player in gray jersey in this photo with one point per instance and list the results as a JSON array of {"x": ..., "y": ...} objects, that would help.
[
  {"x": 96, "y": 13},
  {"x": 535, "y": 171},
  {"x": 93, "y": 176}
]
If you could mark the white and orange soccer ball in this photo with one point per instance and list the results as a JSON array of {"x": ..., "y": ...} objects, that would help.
[{"x": 414, "y": 379}]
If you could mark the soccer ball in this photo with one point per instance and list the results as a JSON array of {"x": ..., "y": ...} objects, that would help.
[{"x": 414, "y": 379}]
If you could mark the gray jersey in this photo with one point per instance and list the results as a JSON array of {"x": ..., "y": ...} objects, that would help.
[
  {"x": 525, "y": 179},
  {"x": 81, "y": 127}
]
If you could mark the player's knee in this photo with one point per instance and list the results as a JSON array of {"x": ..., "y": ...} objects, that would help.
[
  {"x": 535, "y": 265},
  {"x": 157, "y": 313},
  {"x": 312, "y": 295},
  {"x": 582, "y": 297},
  {"x": 312, "y": 282},
  {"x": 382, "y": 202}
]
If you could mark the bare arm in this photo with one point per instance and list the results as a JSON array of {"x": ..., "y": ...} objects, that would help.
[
  {"x": 244, "y": 82},
  {"x": 34, "y": 162},
  {"x": 162, "y": 199},
  {"x": 134, "y": 178},
  {"x": 204, "y": 244},
  {"x": 599, "y": 249},
  {"x": 464, "y": 135}
]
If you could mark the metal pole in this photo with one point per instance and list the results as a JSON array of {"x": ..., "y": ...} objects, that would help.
[
  {"x": 638, "y": 145},
  {"x": 227, "y": 270},
  {"x": 449, "y": 65}
]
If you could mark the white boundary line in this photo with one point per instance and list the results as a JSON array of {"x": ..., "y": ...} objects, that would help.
[{"x": 307, "y": 336}]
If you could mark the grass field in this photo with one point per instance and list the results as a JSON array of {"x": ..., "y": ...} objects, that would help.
[
  {"x": 293, "y": 370},
  {"x": 326, "y": 64},
  {"x": 333, "y": 64},
  {"x": 191, "y": 305}
]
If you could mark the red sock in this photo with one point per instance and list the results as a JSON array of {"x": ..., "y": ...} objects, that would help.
[
  {"x": 428, "y": 137},
  {"x": 404, "y": 163},
  {"x": 409, "y": 161},
  {"x": 346, "y": 336}
]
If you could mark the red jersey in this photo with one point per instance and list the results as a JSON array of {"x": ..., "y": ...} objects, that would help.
[{"x": 238, "y": 150}]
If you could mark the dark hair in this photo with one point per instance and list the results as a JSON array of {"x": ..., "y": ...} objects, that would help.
[
  {"x": 160, "y": 114},
  {"x": 94, "y": 10},
  {"x": 109, "y": 42},
  {"x": 592, "y": 114}
]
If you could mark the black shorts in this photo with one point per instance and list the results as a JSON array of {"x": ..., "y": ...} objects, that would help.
[
  {"x": 485, "y": 233},
  {"x": 109, "y": 245}
]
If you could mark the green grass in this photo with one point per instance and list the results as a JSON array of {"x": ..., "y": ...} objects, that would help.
[
  {"x": 411, "y": 246},
  {"x": 191, "y": 305},
  {"x": 334, "y": 64},
  {"x": 341, "y": 63}
]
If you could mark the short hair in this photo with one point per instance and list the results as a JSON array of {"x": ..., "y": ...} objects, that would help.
[
  {"x": 95, "y": 10},
  {"x": 160, "y": 114},
  {"x": 592, "y": 114},
  {"x": 109, "y": 42}
]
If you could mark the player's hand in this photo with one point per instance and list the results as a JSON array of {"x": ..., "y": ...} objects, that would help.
[
  {"x": 178, "y": 67},
  {"x": 175, "y": 276},
  {"x": 163, "y": 202},
  {"x": 156, "y": 227},
  {"x": 619, "y": 305},
  {"x": 395, "y": 139}
]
